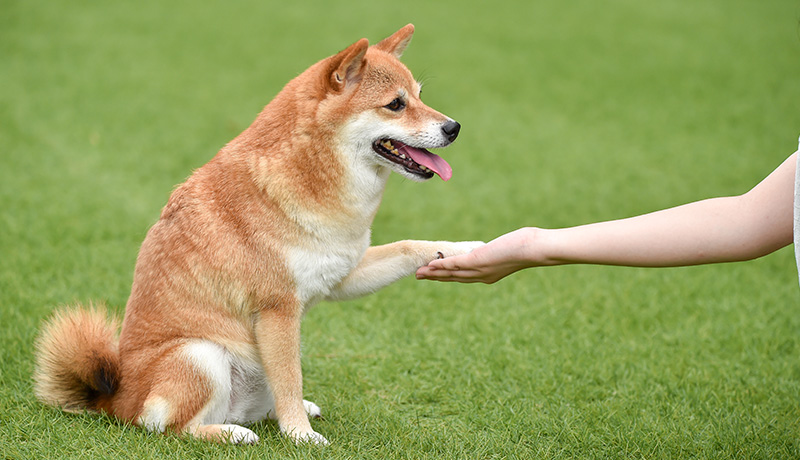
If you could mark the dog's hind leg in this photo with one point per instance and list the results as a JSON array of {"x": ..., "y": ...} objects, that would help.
[{"x": 193, "y": 395}]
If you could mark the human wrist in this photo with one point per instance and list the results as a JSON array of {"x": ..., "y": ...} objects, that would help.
[
  {"x": 541, "y": 247},
  {"x": 534, "y": 245}
]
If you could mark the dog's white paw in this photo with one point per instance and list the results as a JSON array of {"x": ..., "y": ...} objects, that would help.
[
  {"x": 456, "y": 248},
  {"x": 312, "y": 409},
  {"x": 310, "y": 437},
  {"x": 236, "y": 434}
]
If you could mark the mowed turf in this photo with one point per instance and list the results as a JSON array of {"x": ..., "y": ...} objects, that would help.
[{"x": 572, "y": 112}]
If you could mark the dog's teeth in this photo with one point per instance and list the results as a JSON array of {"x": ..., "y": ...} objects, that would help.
[{"x": 388, "y": 145}]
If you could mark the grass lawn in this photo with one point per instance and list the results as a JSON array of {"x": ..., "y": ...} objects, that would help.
[{"x": 572, "y": 112}]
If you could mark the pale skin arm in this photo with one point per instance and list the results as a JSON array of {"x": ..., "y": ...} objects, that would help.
[{"x": 725, "y": 229}]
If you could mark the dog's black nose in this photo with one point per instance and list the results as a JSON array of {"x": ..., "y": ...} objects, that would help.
[{"x": 451, "y": 129}]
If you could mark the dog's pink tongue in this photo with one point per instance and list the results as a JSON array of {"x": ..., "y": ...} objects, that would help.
[{"x": 430, "y": 160}]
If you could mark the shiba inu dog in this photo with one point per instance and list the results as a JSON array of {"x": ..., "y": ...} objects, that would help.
[{"x": 277, "y": 221}]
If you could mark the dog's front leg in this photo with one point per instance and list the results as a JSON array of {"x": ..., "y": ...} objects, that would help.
[
  {"x": 383, "y": 265},
  {"x": 278, "y": 335}
]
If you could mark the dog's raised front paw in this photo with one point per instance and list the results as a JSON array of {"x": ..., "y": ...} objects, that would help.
[{"x": 454, "y": 248}]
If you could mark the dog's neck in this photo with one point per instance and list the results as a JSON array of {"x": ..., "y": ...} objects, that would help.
[{"x": 333, "y": 197}]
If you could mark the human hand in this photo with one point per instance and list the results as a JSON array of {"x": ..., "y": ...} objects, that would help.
[{"x": 486, "y": 264}]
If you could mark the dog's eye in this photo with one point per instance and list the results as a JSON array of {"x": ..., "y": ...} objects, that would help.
[{"x": 396, "y": 105}]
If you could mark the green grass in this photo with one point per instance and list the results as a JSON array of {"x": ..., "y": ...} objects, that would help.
[{"x": 571, "y": 111}]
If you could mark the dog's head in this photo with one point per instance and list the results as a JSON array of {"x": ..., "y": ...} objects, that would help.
[{"x": 375, "y": 101}]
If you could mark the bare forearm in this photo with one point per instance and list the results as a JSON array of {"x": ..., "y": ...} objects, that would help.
[
  {"x": 708, "y": 231},
  {"x": 723, "y": 229}
]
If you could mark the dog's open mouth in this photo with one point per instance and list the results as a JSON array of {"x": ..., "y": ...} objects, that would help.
[{"x": 416, "y": 161}]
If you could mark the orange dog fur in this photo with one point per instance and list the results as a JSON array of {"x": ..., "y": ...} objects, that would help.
[{"x": 278, "y": 220}]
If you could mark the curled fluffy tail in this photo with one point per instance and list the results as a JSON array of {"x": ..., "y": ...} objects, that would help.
[{"x": 77, "y": 360}]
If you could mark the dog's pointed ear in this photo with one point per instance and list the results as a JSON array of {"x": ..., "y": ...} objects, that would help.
[
  {"x": 347, "y": 65},
  {"x": 398, "y": 42}
]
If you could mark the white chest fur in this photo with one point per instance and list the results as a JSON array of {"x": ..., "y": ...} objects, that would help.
[
  {"x": 335, "y": 247},
  {"x": 320, "y": 265}
]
